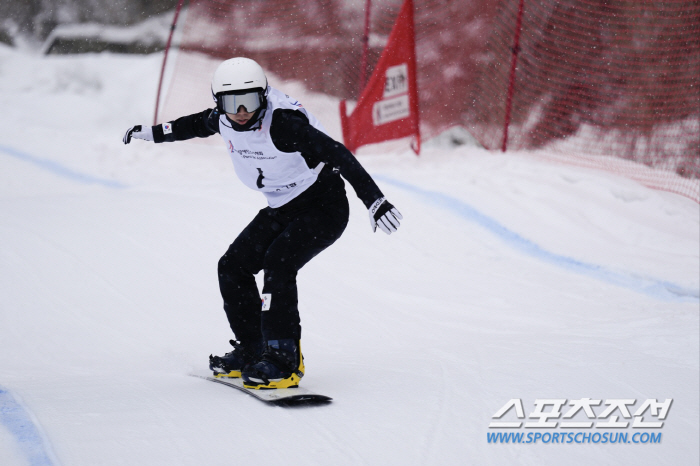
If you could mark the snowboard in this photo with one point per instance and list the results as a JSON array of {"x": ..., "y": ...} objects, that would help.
[{"x": 279, "y": 397}]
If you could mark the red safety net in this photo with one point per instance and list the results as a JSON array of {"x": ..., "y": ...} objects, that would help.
[
  {"x": 613, "y": 84},
  {"x": 597, "y": 78}
]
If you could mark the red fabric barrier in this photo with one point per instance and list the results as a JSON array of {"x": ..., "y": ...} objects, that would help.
[{"x": 594, "y": 79}]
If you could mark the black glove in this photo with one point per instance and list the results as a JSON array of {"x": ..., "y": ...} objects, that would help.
[
  {"x": 144, "y": 132},
  {"x": 385, "y": 216}
]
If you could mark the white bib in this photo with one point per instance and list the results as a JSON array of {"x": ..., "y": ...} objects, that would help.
[{"x": 280, "y": 176}]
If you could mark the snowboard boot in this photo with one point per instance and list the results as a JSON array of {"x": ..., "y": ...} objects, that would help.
[
  {"x": 231, "y": 364},
  {"x": 280, "y": 366}
]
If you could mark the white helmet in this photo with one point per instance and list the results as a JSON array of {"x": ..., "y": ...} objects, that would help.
[
  {"x": 239, "y": 82},
  {"x": 236, "y": 74}
]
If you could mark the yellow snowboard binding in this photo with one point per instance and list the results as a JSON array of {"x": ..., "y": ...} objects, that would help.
[{"x": 280, "y": 366}]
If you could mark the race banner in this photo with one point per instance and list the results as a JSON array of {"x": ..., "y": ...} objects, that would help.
[{"x": 388, "y": 106}]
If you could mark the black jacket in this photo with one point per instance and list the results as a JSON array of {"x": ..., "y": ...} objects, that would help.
[{"x": 290, "y": 131}]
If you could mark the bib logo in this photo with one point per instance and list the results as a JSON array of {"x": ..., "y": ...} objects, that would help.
[
  {"x": 230, "y": 147},
  {"x": 296, "y": 102}
]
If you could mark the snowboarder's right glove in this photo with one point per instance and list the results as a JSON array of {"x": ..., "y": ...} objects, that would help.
[
  {"x": 384, "y": 215},
  {"x": 144, "y": 132}
]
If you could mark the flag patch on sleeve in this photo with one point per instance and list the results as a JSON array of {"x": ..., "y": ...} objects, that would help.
[{"x": 266, "y": 300}]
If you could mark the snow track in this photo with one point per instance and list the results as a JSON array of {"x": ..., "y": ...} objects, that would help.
[
  {"x": 58, "y": 169},
  {"x": 653, "y": 287}
]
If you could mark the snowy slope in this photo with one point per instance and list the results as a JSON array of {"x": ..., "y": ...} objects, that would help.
[{"x": 510, "y": 278}]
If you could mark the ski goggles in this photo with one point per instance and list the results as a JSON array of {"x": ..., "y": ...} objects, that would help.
[{"x": 230, "y": 103}]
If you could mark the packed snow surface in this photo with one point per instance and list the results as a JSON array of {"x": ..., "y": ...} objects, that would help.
[{"x": 510, "y": 278}]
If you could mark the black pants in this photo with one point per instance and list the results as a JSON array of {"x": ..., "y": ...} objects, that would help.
[{"x": 280, "y": 242}]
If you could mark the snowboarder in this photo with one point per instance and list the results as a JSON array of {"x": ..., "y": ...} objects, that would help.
[{"x": 282, "y": 150}]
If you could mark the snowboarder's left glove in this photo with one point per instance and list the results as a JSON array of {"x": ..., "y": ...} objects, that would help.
[
  {"x": 144, "y": 132},
  {"x": 384, "y": 215}
]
